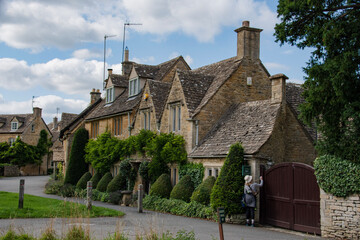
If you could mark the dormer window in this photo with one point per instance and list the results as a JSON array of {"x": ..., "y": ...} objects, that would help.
[
  {"x": 134, "y": 87},
  {"x": 110, "y": 95},
  {"x": 14, "y": 126}
]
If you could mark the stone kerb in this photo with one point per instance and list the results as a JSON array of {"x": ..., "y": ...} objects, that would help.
[{"x": 340, "y": 217}]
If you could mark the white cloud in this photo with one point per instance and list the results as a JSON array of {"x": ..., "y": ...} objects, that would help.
[
  {"x": 188, "y": 59},
  {"x": 90, "y": 54},
  {"x": 48, "y": 103},
  {"x": 294, "y": 80},
  {"x": 288, "y": 52},
  {"x": 145, "y": 60},
  {"x": 70, "y": 76},
  {"x": 1, "y": 98},
  {"x": 39, "y": 24},
  {"x": 273, "y": 66}
]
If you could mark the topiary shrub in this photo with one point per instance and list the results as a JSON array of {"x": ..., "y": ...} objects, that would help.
[
  {"x": 82, "y": 183},
  {"x": 115, "y": 197},
  {"x": 183, "y": 189},
  {"x": 104, "y": 182},
  {"x": 77, "y": 166},
  {"x": 67, "y": 190},
  {"x": 95, "y": 179},
  {"x": 162, "y": 186},
  {"x": 229, "y": 186},
  {"x": 117, "y": 183},
  {"x": 203, "y": 191},
  {"x": 337, "y": 176}
]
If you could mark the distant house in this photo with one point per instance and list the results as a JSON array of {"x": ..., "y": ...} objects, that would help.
[
  {"x": 212, "y": 107},
  {"x": 27, "y": 127}
]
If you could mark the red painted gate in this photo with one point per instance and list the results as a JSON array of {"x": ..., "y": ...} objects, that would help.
[{"x": 291, "y": 198}]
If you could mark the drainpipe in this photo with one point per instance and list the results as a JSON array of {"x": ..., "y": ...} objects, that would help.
[
  {"x": 196, "y": 132},
  {"x": 129, "y": 127}
]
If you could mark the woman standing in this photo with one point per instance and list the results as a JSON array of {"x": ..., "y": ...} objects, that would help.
[{"x": 250, "y": 191}]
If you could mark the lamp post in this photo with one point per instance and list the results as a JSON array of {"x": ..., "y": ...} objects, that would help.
[{"x": 105, "y": 37}]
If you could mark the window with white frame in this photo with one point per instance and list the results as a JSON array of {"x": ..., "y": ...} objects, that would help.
[
  {"x": 14, "y": 125},
  {"x": 110, "y": 95},
  {"x": 134, "y": 87},
  {"x": 11, "y": 141},
  {"x": 213, "y": 171},
  {"x": 175, "y": 117}
]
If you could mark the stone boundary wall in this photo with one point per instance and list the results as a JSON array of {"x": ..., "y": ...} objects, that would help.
[
  {"x": 11, "y": 171},
  {"x": 340, "y": 217}
]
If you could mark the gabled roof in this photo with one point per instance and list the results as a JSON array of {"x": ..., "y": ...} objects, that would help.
[
  {"x": 221, "y": 71},
  {"x": 294, "y": 98},
  {"x": 80, "y": 117},
  {"x": 120, "y": 105},
  {"x": 156, "y": 72},
  {"x": 26, "y": 119},
  {"x": 194, "y": 86},
  {"x": 159, "y": 92},
  {"x": 250, "y": 123},
  {"x": 119, "y": 80}
]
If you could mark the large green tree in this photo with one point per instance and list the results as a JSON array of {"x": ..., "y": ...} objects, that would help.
[
  {"x": 77, "y": 166},
  {"x": 332, "y": 85},
  {"x": 21, "y": 154}
]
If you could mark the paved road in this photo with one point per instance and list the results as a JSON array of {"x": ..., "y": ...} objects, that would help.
[{"x": 133, "y": 223}]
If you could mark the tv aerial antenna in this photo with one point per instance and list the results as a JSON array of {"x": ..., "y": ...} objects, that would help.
[{"x": 126, "y": 24}]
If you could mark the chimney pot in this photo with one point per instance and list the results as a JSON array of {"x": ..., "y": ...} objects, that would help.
[
  {"x": 246, "y": 23},
  {"x": 37, "y": 112},
  {"x": 55, "y": 123}
]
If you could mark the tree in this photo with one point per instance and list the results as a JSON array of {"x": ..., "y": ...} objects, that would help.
[
  {"x": 21, "y": 154},
  {"x": 229, "y": 186},
  {"x": 77, "y": 165},
  {"x": 332, "y": 86},
  {"x": 4, "y": 147},
  {"x": 43, "y": 144}
]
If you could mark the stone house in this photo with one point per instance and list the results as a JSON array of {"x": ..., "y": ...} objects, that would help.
[
  {"x": 214, "y": 106},
  {"x": 27, "y": 127}
]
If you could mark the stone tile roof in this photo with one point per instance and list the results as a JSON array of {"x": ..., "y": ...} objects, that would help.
[
  {"x": 120, "y": 105},
  {"x": 159, "y": 92},
  {"x": 195, "y": 86},
  {"x": 294, "y": 98},
  {"x": 250, "y": 123},
  {"x": 221, "y": 71},
  {"x": 25, "y": 119},
  {"x": 119, "y": 80},
  {"x": 156, "y": 72}
]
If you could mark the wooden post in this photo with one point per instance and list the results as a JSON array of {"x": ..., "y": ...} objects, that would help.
[
  {"x": 140, "y": 198},
  {"x": 89, "y": 195},
  {"x": 221, "y": 217},
  {"x": 21, "y": 193}
]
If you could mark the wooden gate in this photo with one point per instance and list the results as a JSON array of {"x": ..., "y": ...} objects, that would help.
[{"x": 291, "y": 198}]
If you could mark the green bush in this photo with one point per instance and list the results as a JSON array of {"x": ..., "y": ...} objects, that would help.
[
  {"x": 144, "y": 170},
  {"x": 117, "y": 183},
  {"x": 95, "y": 179},
  {"x": 82, "y": 183},
  {"x": 104, "y": 182},
  {"x": 337, "y": 176},
  {"x": 178, "y": 207},
  {"x": 53, "y": 187},
  {"x": 81, "y": 193},
  {"x": 77, "y": 166},
  {"x": 162, "y": 186},
  {"x": 203, "y": 191},
  {"x": 194, "y": 170},
  {"x": 67, "y": 190},
  {"x": 229, "y": 186},
  {"x": 183, "y": 189},
  {"x": 115, "y": 197}
]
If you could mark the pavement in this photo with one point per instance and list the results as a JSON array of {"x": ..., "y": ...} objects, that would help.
[{"x": 133, "y": 223}]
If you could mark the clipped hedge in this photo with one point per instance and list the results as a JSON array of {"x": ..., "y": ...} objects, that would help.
[
  {"x": 82, "y": 183},
  {"x": 337, "y": 176},
  {"x": 203, "y": 191},
  {"x": 194, "y": 170},
  {"x": 117, "y": 183},
  {"x": 178, "y": 207},
  {"x": 96, "y": 179},
  {"x": 183, "y": 189},
  {"x": 229, "y": 186},
  {"x": 161, "y": 187},
  {"x": 104, "y": 182}
]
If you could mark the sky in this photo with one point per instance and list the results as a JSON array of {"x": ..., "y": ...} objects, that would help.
[{"x": 52, "y": 52}]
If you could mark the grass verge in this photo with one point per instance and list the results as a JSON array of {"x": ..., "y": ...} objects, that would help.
[{"x": 39, "y": 207}]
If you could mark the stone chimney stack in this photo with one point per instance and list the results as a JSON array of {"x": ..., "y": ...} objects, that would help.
[
  {"x": 94, "y": 95},
  {"x": 55, "y": 123},
  {"x": 126, "y": 65},
  {"x": 248, "y": 41},
  {"x": 37, "y": 112},
  {"x": 278, "y": 85},
  {"x": 109, "y": 72}
]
